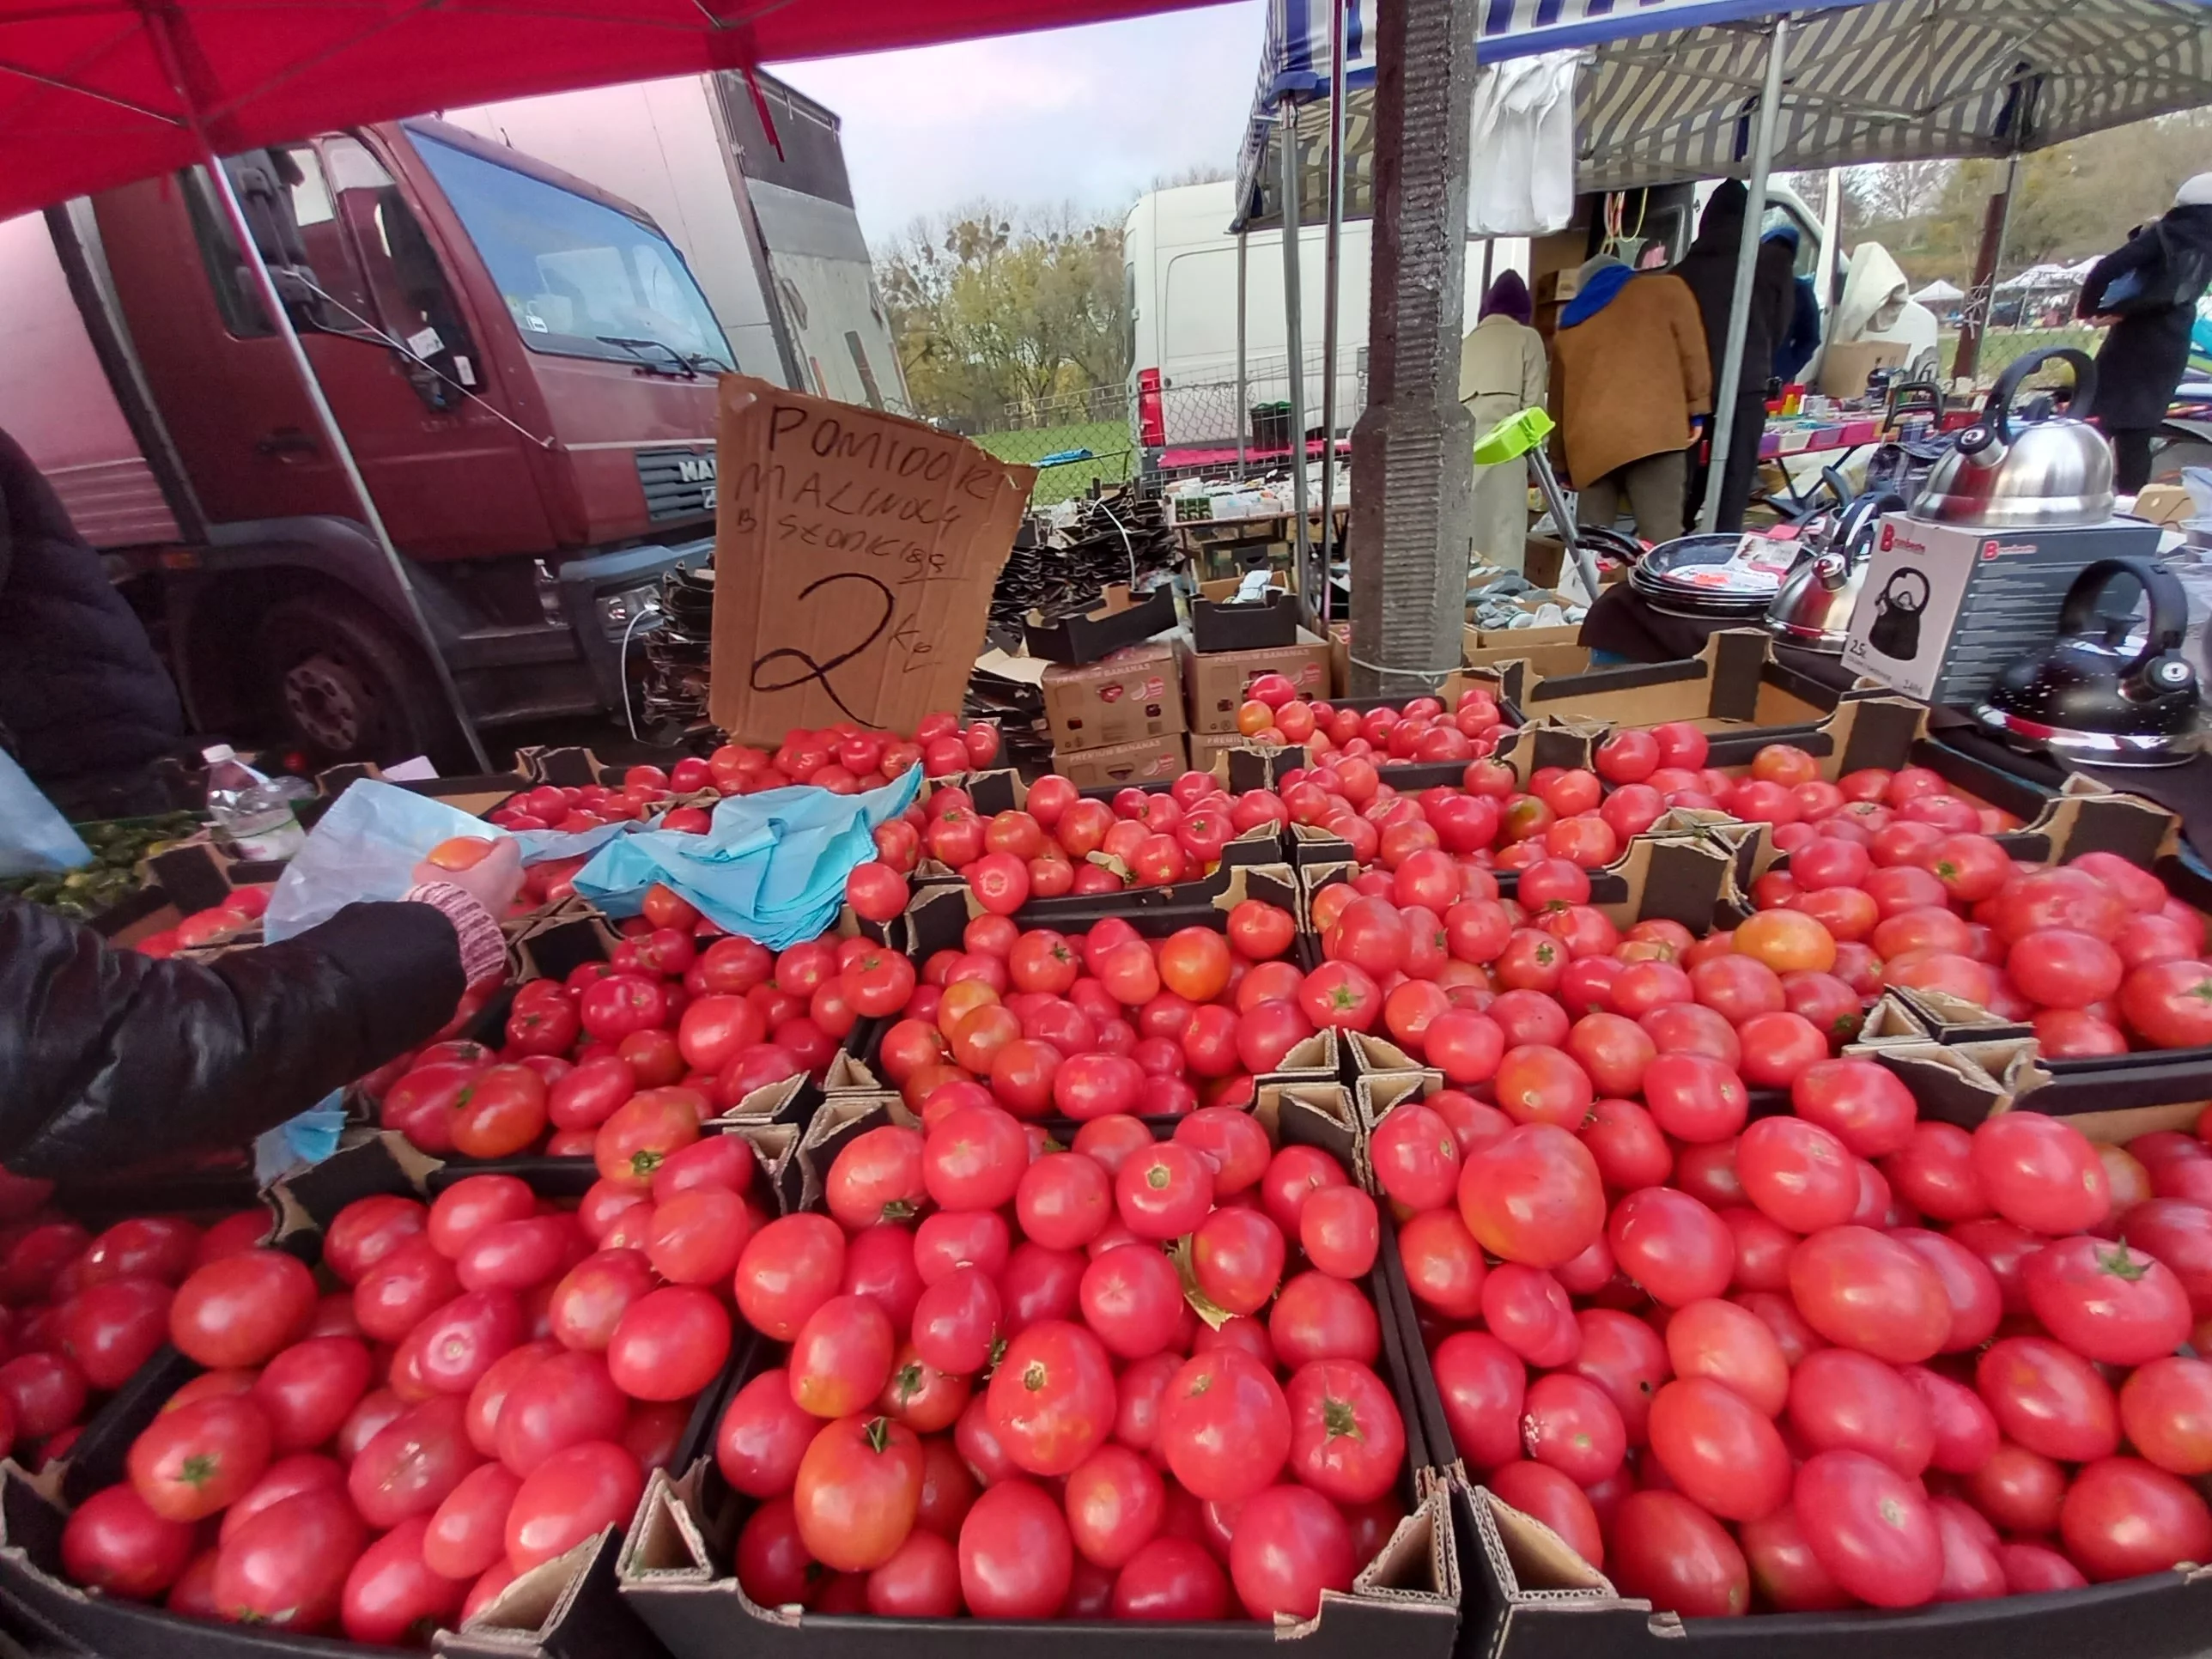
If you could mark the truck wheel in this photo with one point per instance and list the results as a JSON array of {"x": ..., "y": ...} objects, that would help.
[{"x": 346, "y": 687}]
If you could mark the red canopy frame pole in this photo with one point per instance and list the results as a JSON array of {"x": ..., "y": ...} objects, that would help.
[
  {"x": 158, "y": 26},
  {"x": 272, "y": 302}
]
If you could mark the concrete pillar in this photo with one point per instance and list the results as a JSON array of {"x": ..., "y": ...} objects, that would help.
[{"x": 1413, "y": 451}]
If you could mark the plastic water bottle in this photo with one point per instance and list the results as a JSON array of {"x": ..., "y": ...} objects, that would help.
[{"x": 252, "y": 814}]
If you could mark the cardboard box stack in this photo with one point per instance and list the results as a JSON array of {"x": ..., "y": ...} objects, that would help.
[
  {"x": 1233, "y": 646},
  {"x": 1118, "y": 720}
]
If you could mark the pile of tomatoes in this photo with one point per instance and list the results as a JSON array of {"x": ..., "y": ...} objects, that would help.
[
  {"x": 844, "y": 758},
  {"x": 681, "y": 1015},
  {"x": 1826, "y": 1358},
  {"x": 1274, "y": 716},
  {"x": 645, "y": 790},
  {"x": 469, "y": 1389},
  {"x": 2094, "y": 952},
  {"x": 1061, "y": 841},
  {"x": 238, "y": 913},
  {"x": 1132, "y": 1380},
  {"x": 80, "y": 1313}
]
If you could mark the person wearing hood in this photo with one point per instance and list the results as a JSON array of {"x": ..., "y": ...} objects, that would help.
[
  {"x": 1709, "y": 268},
  {"x": 1629, "y": 376},
  {"x": 1797, "y": 346},
  {"x": 1502, "y": 371},
  {"x": 2148, "y": 291}
]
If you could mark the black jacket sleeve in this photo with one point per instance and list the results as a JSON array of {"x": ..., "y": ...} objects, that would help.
[
  {"x": 106, "y": 1055},
  {"x": 2136, "y": 251}
]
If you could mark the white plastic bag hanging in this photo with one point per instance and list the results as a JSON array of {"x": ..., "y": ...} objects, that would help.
[
  {"x": 35, "y": 839},
  {"x": 1524, "y": 146}
]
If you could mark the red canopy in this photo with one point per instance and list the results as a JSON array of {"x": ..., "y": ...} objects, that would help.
[{"x": 97, "y": 92}]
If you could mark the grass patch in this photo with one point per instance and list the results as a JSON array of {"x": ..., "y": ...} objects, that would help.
[{"x": 1113, "y": 450}]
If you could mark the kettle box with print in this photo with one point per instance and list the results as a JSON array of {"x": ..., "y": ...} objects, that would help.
[{"x": 1945, "y": 607}]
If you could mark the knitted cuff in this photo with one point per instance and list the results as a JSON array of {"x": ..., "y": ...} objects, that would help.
[{"x": 484, "y": 947}]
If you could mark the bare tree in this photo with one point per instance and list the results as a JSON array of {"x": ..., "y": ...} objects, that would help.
[
  {"x": 1890, "y": 192},
  {"x": 1198, "y": 172}
]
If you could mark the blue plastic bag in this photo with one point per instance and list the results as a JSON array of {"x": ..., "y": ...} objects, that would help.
[
  {"x": 35, "y": 839},
  {"x": 772, "y": 866},
  {"x": 367, "y": 844}
]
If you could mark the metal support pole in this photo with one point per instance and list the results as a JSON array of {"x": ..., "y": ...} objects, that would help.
[
  {"x": 1988, "y": 260},
  {"x": 1413, "y": 447},
  {"x": 1243, "y": 410},
  {"x": 1747, "y": 264},
  {"x": 264, "y": 285},
  {"x": 1294, "y": 348},
  {"x": 1332, "y": 238},
  {"x": 1832, "y": 205}
]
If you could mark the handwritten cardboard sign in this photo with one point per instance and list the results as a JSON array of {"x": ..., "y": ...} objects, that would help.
[{"x": 854, "y": 556}]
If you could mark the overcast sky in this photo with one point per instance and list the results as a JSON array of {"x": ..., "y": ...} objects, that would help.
[{"x": 1087, "y": 115}]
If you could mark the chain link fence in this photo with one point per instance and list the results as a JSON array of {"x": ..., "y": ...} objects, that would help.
[
  {"x": 1077, "y": 439},
  {"x": 2002, "y": 345}
]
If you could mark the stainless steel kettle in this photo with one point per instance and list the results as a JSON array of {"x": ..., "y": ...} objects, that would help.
[
  {"x": 1814, "y": 606},
  {"x": 2035, "y": 469}
]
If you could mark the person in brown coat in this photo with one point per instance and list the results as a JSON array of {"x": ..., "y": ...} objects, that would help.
[{"x": 1629, "y": 375}]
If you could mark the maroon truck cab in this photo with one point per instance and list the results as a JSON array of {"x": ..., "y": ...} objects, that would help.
[{"x": 524, "y": 368}]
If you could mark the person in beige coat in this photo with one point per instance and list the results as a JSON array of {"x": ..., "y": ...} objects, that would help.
[
  {"x": 1630, "y": 380},
  {"x": 1502, "y": 371}
]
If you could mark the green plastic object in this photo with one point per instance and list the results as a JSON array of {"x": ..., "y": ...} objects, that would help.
[{"x": 1512, "y": 438}]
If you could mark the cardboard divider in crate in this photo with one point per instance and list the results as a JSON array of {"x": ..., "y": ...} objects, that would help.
[
  {"x": 1534, "y": 744},
  {"x": 675, "y": 1566},
  {"x": 1733, "y": 687}
]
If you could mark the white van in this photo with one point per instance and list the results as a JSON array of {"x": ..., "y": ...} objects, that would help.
[{"x": 1180, "y": 261}]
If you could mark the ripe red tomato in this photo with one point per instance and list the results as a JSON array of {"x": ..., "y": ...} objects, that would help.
[
  {"x": 2048, "y": 1399},
  {"x": 574, "y": 1494},
  {"x": 613, "y": 1007},
  {"x": 1694, "y": 1097},
  {"x": 113, "y": 1327},
  {"x": 1291, "y": 1544},
  {"x": 1671, "y": 1244},
  {"x": 1673, "y": 1554},
  {"x": 1017, "y": 1558},
  {"x": 2123, "y": 1518},
  {"x": 116, "y": 1544},
  {"x": 1164, "y": 1191},
  {"x": 308, "y": 1390},
  {"x": 1872, "y": 1529},
  {"x": 2106, "y": 1301},
  {"x": 2169, "y": 1004},
  {"x": 631, "y": 1145},
  {"x": 195, "y": 1459},
  {"x": 1052, "y": 1400},
  {"x": 1534, "y": 1196},
  {"x": 2040, "y": 1173},
  {"x": 1797, "y": 1174},
  {"x": 1319, "y": 1318},
  {"x": 670, "y": 1343},
  {"x": 393, "y": 1591},
  {"x": 289, "y": 1564},
  {"x": 239, "y": 1310},
  {"x": 1225, "y": 1427},
  {"x": 1864, "y": 1290},
  {"x": 1720, "y": 1450}
]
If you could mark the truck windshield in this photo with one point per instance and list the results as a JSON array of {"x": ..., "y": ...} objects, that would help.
[{"x": 580, "y": 279}]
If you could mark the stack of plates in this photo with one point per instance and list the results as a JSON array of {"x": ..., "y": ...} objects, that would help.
[{"x": 1712, "y": 578}]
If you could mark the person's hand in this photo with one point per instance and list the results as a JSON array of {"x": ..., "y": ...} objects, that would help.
[{"x": 489, "y": 869}]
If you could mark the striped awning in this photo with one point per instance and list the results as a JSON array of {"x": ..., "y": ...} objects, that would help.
[{"x": 1673, "y": 84}]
